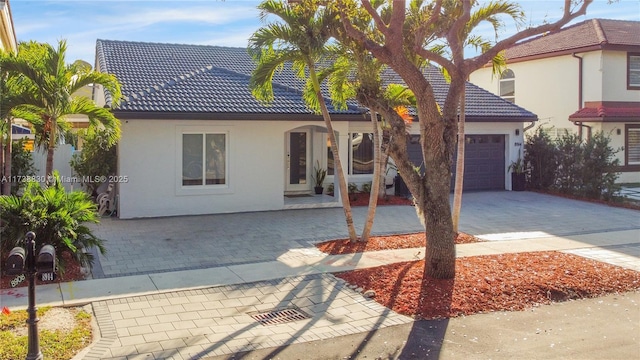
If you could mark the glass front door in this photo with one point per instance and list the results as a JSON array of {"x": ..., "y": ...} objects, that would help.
[{"x": 298, "y": 161}]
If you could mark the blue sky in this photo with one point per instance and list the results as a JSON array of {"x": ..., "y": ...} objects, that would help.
[{"x": 207, "y": 22}]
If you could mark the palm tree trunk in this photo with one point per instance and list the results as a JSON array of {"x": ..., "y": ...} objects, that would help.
[
  {"x": 457, "y": 193},
  {"x": 384, "y": 162},
  {"x": 51, "y": 146},
  {"x": 375, "y": 183},
  {"x": 342, "y": 183}
]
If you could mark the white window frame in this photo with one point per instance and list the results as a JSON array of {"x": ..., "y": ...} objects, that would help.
[
  {"x": 204, "y": 189},
  {"x": 503, "y": 80},
  {"x": 629, "y": 129},
  {"x": 635, "y": 70}
]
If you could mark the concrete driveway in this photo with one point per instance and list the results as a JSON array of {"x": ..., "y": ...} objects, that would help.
[{"x": 143, "y": 246}]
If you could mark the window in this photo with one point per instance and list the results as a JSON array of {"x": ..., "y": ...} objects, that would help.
[
  {"x": 204, "y": 159},
  {"x": 360, "y": 156},
  {"x": 632, "y": 145},
  {"x": 633, "y": 71},
  {"x": 508, "y": 85}
]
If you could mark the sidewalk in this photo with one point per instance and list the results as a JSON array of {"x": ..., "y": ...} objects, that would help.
[{"x": 620, "y": 248}]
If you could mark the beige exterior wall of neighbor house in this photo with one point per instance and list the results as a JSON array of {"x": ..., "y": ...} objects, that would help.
[
  {"x": 553, "y": 102},
  {"x": 614, "y": 72},
  {"x": 611, "y": 129}
]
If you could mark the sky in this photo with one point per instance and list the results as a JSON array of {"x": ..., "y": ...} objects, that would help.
[{"x": 203, "y": 22}]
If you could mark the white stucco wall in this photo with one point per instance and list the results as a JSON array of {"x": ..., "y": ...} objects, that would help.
[
  {"x": 617, "y": 143},
  {"x": 150, "y": 156},
  {"x": 150, "y": 153}
]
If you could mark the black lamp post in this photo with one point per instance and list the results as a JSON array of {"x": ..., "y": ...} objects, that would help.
[{"x": 18, "y": 263}]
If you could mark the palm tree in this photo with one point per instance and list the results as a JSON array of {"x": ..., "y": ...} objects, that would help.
[
  {"x": 11, "y": 95},
  {"x": 490, "y": 12},
  {"x": 354, "y": 74},
  {"x": 49, "y": 84},
  {"x": 300, "y": 39}
]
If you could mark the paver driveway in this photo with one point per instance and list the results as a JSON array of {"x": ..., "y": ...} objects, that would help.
[{"x": 142, "y": 246}]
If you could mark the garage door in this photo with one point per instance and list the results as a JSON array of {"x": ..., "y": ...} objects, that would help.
[{"x": 484, "y": 161}]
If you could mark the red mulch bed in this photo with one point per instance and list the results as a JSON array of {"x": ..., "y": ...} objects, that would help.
[
  {"x": 375, "y": 243},
  {"x": 492, "y": 283},
  {"x": 362, "y": 199},
  {"x": 72, "y": 273}
]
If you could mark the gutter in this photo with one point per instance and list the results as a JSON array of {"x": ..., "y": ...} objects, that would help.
[
  {"x": 579, "y": 79},
  {"x": 579, "y": 124}
]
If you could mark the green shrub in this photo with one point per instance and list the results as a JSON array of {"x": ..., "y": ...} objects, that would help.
[
  {"x": 598, "y": 169},
  {"x": 21, "y": 164},
  {"x": 541, "y": 160},
  {"x": 97, "y": 158},
  {"x": 569, "y": 166},
  {"x": 572, "y": 166},
  {"x": 57, "y": 217}
]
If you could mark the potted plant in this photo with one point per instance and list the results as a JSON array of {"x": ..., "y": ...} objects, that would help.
[
  {"x": 319, "y": 174},
  {"x": 518, "y": 178}
]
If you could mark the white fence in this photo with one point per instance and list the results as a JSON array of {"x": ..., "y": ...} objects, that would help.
[{"x": 61, "y": 158}]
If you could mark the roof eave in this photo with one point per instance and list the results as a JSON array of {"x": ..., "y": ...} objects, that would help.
[
  {"x": 162, "y": 115},
  {"x": 606, "y": 119},
  {"x": 501, "y": 119}
]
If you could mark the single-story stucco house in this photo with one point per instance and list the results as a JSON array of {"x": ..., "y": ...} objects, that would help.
[{"x": 195, "y": 141}]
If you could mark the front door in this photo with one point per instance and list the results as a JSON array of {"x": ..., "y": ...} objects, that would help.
[{"x": 298, "y": 170}]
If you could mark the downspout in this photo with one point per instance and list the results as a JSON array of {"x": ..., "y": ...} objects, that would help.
[
  {"x": 579, "y": 123},
  {"x": 579, "y": 80}
]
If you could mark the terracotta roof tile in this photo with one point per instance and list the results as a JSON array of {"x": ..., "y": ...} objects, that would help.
[{"x": 589, "y": 33}]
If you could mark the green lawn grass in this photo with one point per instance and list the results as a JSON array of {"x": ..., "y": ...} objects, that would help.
[{"x": 55, "y": 345}]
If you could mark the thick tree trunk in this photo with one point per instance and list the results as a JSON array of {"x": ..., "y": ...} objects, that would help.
[
  {"x": 375, "y": 183},
  {"x": 440, "y": 252}
]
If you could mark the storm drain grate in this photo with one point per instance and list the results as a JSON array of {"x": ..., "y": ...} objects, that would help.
[{"x": 281, "y": 316}]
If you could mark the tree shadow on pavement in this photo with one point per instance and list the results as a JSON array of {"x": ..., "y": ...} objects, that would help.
[{"x": 427, "y": 336}]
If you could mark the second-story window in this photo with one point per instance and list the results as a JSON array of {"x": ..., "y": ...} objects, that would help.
[
  {"x": 633, "y": 71},
  {"x": 508, "y": 85}
]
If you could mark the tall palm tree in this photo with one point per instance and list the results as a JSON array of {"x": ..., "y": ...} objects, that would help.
[
  {"x": 300, "y": 38},
  {"x": 355, "y": 74},
  {"x": 491, "y": 13},
  {"x": 49, "y": 84}
]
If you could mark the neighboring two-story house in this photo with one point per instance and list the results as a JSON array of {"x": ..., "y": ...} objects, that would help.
[{"x": 583, "y": 78}]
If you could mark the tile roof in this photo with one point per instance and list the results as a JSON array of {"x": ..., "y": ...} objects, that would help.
[
  {"x": 610, "y": 111},
  {"x": 176, "y": 78},
  {"x": 593, "y": 33}
]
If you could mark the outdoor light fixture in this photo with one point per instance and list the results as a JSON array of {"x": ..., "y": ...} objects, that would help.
[{"x": 21, "y": 261}]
